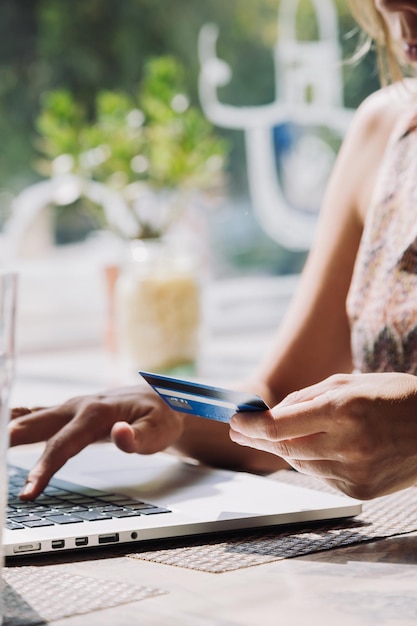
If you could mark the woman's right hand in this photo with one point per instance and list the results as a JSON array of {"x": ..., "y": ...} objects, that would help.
[
  {"x": 134, "y": 418},
  {"x": 356, "y": 431}
]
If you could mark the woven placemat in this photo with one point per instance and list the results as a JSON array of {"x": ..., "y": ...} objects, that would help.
[
  {"x": 382, "y": 517},
  {"x": 37, "y": 595}
]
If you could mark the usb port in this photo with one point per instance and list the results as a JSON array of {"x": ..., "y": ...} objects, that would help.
[
  {"x": 111, "y": 538},
  {"x": 58, "y": 543},
  {"x": 27, "y": 547},
  {"x": 81, "y": 541}
]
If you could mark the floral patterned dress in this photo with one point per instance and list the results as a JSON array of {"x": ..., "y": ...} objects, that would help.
[{"x": 382, "y": 300}]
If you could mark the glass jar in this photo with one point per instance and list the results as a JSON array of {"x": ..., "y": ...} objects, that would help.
[{"x": 157, "y": 308}]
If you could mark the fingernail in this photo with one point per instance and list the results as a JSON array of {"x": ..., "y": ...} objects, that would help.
[{"x": 27, "y": 489}]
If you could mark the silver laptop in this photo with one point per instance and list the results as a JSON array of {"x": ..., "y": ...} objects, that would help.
[{"x": 105, "y": 497}]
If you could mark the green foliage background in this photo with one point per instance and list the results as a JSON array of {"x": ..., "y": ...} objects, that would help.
[{"x": 90, "y": 45}]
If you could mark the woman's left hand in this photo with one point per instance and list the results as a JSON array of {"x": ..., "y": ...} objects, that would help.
[{"x": 359, "y": 432}]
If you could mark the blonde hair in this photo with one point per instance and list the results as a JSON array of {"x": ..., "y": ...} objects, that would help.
[{"x": 391, "y": 60}]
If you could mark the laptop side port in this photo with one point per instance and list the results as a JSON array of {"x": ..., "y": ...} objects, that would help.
[
  {"x": 27, "y": 547},
  {"x": 109, "y": 538},
  {"x": 81, "y": 541},
  {"x": 58, "y": 543}
]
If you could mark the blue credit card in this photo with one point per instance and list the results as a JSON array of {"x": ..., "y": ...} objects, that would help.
[{"x": 203, "y": 400}]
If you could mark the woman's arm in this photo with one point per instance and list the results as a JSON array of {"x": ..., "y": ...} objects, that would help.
[{"x": 312, "y": 342}]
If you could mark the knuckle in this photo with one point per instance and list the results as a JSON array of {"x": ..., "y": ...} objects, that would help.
[
  {"x": 282, "y": 448},
  {"x": 339, "y": 379},
  {"x": 94, "y": 408},
  {"x": 96, "y": 416},
  {"x": 292, "y": 397},
  {"x": 270, "y": 428}
]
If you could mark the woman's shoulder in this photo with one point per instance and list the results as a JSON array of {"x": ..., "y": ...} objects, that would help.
[
  {"x": 385, "y": 111},
  {"x": 381, "y": 117}
]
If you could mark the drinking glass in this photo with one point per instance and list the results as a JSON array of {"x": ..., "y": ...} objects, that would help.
[{"x": 8, "y": 289}]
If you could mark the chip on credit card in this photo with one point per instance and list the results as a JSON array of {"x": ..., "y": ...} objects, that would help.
[{"x": 202, "y": 400}]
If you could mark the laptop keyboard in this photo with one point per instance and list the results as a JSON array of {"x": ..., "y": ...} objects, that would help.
[{"x": 63, "y": 502}]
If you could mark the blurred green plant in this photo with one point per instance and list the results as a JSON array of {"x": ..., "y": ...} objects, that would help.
[{"x": 154, "y": 139}]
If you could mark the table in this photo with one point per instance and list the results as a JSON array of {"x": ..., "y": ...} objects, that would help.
[
  {"x": 355, "y": 586},
  {"x": 360, "y": 585}
]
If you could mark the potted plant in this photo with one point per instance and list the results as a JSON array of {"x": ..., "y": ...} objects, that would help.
[
  {"x": 137, "y": 165},
  {"x": 152, "y": 143}
]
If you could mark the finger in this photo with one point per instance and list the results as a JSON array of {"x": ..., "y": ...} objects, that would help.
[
  {"x": 332, "y": 384},
  {"x": 88, "y": 426},
  {"x": 311, "y": 448},
  {"x": 279, "y": 423},
  {"x": 307, "y": 463},
  {"x": 305, "y": 394},
  {"x": 38, "y": 425},
  {"x": 18, "y": 411},
  {"x": 149, "y": 434},
  {"x": 123, "y": 436}
]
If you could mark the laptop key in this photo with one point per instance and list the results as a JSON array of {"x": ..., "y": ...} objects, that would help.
[
  {"x": 63, "y": 518},
  {"x": 39, "y": 523},
  {"x": 112, "y": 497},
  {"x": 21, "y": 519},
  {"x": 93, "y": 516},
  {"x": 126, "y": 513},
  {"x": 139, "y": 506},
  {"x": 154, "y": 511},
  {"x": 12, "y": 525}
]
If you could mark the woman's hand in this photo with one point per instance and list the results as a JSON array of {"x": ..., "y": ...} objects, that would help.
[
  {"x": 359, "y": 432},
  {"x": 135, "y": 419}
]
